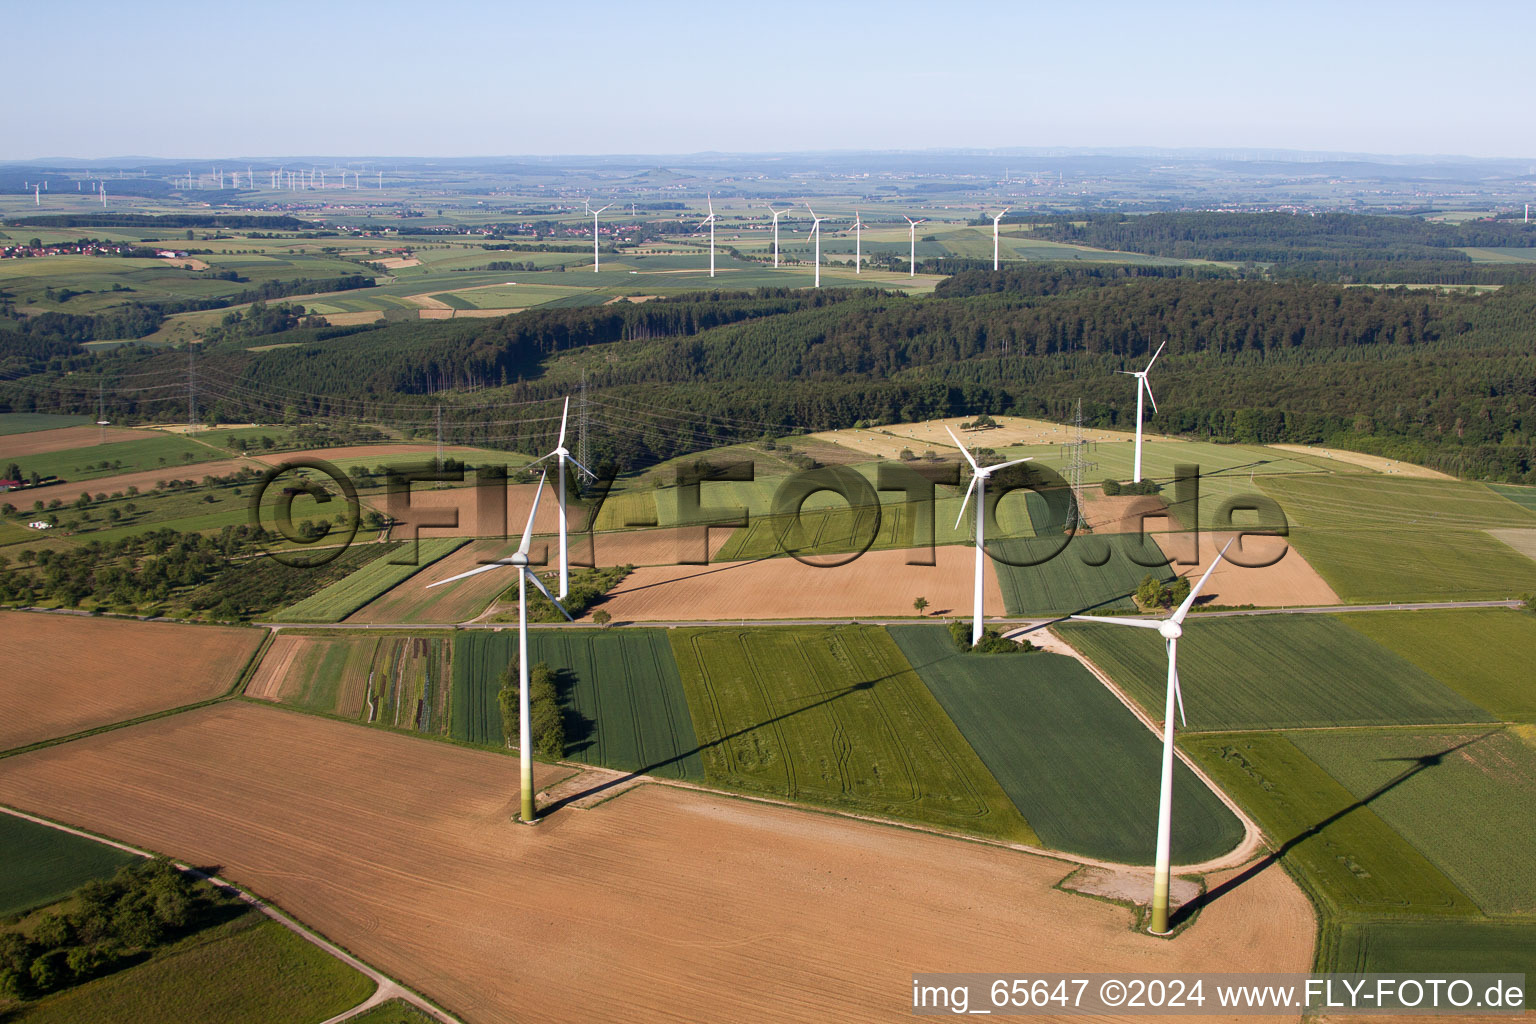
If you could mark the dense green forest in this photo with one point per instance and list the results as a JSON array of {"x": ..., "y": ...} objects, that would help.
[
  {"x": 1278, "y": 237},
  {"x": 1448, "y": 379}
]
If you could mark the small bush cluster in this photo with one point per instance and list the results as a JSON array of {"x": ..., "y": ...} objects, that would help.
[
  {"x": 114, "y": 922},
  {"x": 1153, "y": 593},
  {"x": 1112, "y": 488},
  {"x": 546, "y": 719},
  {"x": 992, "y": 642}
]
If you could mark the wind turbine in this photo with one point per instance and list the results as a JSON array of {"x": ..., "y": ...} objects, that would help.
[
  {"x": 995, "y": 222},
  {"x": 562, "y": 453},
  {"x": 1171, "y": 628},
  {"x": 912, "y": 233},
  {"x": 816, "y": 233},
  {"x": 979, "y": 476},
  {"x": 595, "y": 259},
  {"x": 524, "y": 730},
  {"x": 710, "y": 220},
  {"x": 776, "y": 215},
  {"x": 858, "y": 253},
  {"x": 1142, "y": 385}
]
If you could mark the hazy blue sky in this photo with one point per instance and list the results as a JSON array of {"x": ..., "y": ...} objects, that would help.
[{"x": 336, "y": 77}]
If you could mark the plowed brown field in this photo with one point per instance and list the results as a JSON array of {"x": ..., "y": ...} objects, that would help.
[
  {"x": 65, "y": 673},
  {"x": 878, "y": 583},
  {"x": 1289, "y": 582},
  {"x": 660, "y": 904},
  {"x": 411, "y": 601},
  {"x": 144, "y": 480},
  {"x": 430, "y": 512},
  {"x": 37, "y": 442}
]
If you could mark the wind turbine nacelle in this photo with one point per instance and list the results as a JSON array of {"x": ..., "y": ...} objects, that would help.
[{"x": 1171, "y": 630}]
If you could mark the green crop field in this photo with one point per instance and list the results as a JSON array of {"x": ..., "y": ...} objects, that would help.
[
  {"x": 625, "y": 707},
  {"x": 1378, "y": 566},
  {"x": 346, "y": 596},
  {"x": 1484, "y": 654},
  {"x": 835, "y": 716},
  {"x": 396, "y": 1011},
  {"x": 1462, "y": 798},
  {"x": 1273, "y": 672},
  {"x": 251, "y": 970},
  {"x": 43, "y": 864},
  {"x": 116, "y": 457},
  {"x": 1073, "y": 759},
  {"x": 398, "y": 681},
  {"x": 27, "y": 422},
  {"x": 1356, "y": 502},
  {"x": 1429, "y": 945},
  {"x": 1525, "y": 497},
  {"x": 1068, "y": 582},
  {"x": 1347, "y": 856}
]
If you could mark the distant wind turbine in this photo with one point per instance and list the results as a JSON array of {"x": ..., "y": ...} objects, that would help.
[
  {"x": 858, "y": 252},
  {"x": 596, "y": 259},
  {"x": 979, "y": 475},
  {"x": 912, "y": 235},
  {"x": 710, "y": 220},
  {"x": 561, "y": 454},
  {"x": 1171, "y": 629},
  {"x": 1142, "y": 385},
  {"x": 524, "y": 730},
  {"x": 816, "y": 234},
  {"x": 776, "y": 215},
  {"x": 995, "y": 222}
]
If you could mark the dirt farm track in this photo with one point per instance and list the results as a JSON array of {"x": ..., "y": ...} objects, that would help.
[{"x": 660, "y": 904}]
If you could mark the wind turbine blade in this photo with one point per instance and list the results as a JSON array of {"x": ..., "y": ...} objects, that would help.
[
  {"x": 534, "y": 579},
  {"x": 1005, "y": 465},
  {"x": 813, "y": 212},
  {"x": 966, "y": 500},
  {"x": 1189, "y": 602},
  {"x": 522, "y": 548},
  {"x": 572, "y": 460},
  {"x": 1131, "y": 373},
  {"x": 473, "y": 572},
  {"x": 608, "y": 207},
  {"x": 1149, "y": 392},
  {"x": 563, "y": 415},
  {"x": 1114, "y": 621},
  {"x": 967, "y": 454},
  {"x": 1154, "y": 356},
  {"x": 711, "y": 201},
  {"x": 538, "y": 460}
]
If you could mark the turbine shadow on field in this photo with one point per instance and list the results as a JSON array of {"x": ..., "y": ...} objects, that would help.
[
  {"x": 830, "y": 696},
  {"x": 1416, "y": 765}
]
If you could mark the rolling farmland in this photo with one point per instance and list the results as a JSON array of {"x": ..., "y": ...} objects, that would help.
[
  {"x": 834, "y": 716},
  {"x": 66, "y": 673},
  {"x": 1273, "y": 672},
  {"x": 1375, "y": 566},
  {"x": 398, "y": 681},
  {"x": 625, "y": 707},
  {"x": 1483, "y": 654},
  {"x": 346, "y": 596},
  {"x": 1462, "y": 798},
  {"x": 167, "y": 451},
  {"x": 1077, "y": 764},
  {"x": 1395, "y": 504},
  {"x": 1068, "y": 581},
  {"x": 1351, "y": 859},
  {"x": 43, "y": 864}
]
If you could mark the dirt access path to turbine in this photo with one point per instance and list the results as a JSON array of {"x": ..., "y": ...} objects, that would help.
[{"x": 661, "y": 904}]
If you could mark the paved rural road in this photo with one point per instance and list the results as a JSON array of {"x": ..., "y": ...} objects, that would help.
[{"x": 1010, "y": 624}]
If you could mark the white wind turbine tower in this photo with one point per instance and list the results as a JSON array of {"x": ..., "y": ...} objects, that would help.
[
  {"x": 858, "y": 252},
  {"x": 816, "y": 234},
  {"x": 995, "y": 222},
  {"x": 1171, "y": 628},
  {"x": 561, "y": 453},
  {"x": 1142, "y": 386},
  {"x": 776, "y": 215},
  {"x": 912, "y": 237},
  {"x": 710, "y": 220},
  {"x": 979, "y": 476},
  {"x": 524, "y": 730},
  {"x": 596, "y": 259}
]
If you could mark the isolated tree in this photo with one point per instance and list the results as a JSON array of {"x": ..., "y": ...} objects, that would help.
[
  {"x": 920, "y": 604},
  {"x": 602, "y": 618}
]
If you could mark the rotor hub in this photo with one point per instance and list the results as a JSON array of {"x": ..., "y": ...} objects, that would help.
[{"x": 1171, "y": 630}]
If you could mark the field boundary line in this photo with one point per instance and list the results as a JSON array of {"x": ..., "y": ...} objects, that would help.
[{"x": 386, "y": 988}]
